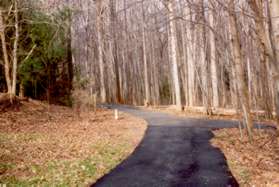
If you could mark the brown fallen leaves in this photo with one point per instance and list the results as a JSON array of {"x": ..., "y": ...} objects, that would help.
[
  {"x": 46, "y": 145},
  {"x": 253, "y": 164}
]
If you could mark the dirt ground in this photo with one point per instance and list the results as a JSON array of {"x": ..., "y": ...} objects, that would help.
[{"x": 51, "y": 145}]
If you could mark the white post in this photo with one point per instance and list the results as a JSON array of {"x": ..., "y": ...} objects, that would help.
[{"x": 116, "y": 114}]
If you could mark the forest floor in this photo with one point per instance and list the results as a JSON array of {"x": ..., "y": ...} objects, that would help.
[
  {"x": 50, "y": 145},
  {"x": 252, "y": 164}
]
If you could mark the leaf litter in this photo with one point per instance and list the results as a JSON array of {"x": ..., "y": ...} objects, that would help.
[
  {"x": 252, "y": 163},
  {"x": 50, "y": 145}
]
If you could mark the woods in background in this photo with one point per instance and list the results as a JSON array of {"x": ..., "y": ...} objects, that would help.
[
  {"x": 200, "y": 53},
  {"x": 207, "y": 53},
  {"x": 34, "y": 50}
]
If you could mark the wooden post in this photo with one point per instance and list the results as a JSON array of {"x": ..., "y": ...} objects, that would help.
[{"x": 116, "y": 116}]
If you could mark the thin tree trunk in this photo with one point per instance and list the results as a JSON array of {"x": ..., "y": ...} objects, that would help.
[
  {"x": 115, "y": 51},
  {"x": 239, "y": 68},
  {"x": 184, "y": 56},
  {"x": 274, "y": 14},
  {"x": 15, "y": 59},
  {"x": 146, "y": 80},
  {"x": 70, "y": 73},
  {"x": 100, "y": 51},
  {"x": 155, "y": 75},
  {"x": 203, "y": 59},
  {"x": 5, "y": 53}
]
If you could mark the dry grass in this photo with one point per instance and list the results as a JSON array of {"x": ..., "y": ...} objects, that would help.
[
  {"x": 51, "y": 145},
  {"x": 253, "y": 164}
]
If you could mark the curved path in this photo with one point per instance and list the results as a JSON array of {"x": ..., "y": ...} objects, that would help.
[{"x": 174, "y": 152}]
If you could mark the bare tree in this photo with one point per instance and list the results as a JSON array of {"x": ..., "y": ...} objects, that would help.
[
  {"x": 213, "y": 57},
  {"x": 5, "y": 53},
  {"x": 146, "y": 79},
  {"x": 173, "y": 52},
  {"x": 100, "y": 49},
  {"x": 15, "y": 61},
  {"x": 181, "y": 53},
  {"x": 239, "y": 67},
  {"x": 274, "y": 13},
  {"x": 10, "y": 71}
]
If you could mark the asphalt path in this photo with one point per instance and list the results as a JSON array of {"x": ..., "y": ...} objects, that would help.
[{"x": 175, "y": 151}]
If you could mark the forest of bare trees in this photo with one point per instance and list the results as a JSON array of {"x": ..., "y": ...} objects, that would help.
[
  {"x": 209, "y": 54},
  {"x": 198, "y": 53},
  {"x": 139, "y": 92}
]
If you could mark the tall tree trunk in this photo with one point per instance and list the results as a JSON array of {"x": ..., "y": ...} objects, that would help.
[
  {"x": 70, "y": 59},
  {"x": 70, "y": 73},
  {"x": 155, "y": 75},
  {"x": 239, "y": 68},
  {"x": 184, "y": 55},
  {"x": 190, "y": 60},
  {"x": 173, "y": 53},
  {"x": 100, "y": 51},
  {"x": 115, "y": 50},
  {"x": 203, "y": 58},
  {"x": 146, "y": 79},
  {"x": 263, "y": 44},
  {"x": 5, "y": 53},
  {"x": 274, "y": 14},
  {"x": 213, "y": 60},
  {"x": 126, "y": 54},
  {"x": 15, "y": 59}
]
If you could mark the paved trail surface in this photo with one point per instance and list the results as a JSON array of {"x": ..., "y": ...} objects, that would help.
[{"x": 174, "y": 152}]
